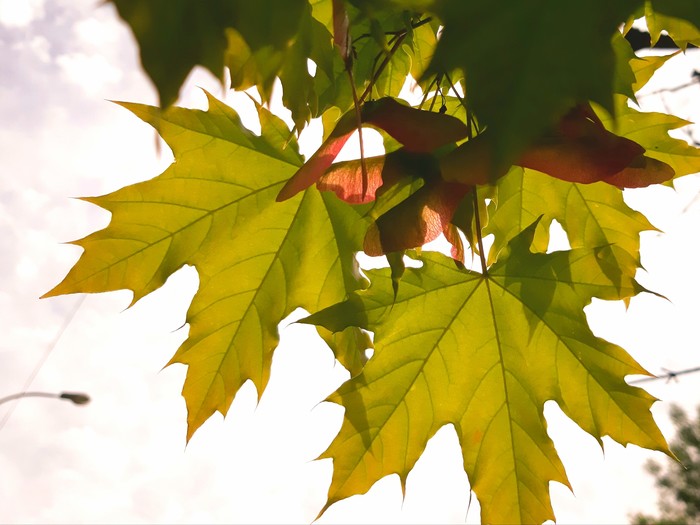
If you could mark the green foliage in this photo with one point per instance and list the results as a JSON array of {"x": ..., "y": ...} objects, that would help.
[
  {"x": 525, "y": 120},
  {"x": 257, "y": 259},
  {"x": 495, "y": 347},
  {"x": 680, "y": 18},
  {"x": 679, "y": 482},
  {"x": 526, "y": 52},
  {"x": 176, "y": 35}
]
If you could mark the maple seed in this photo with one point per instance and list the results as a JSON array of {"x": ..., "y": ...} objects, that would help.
[{"x": 418, "y": 130}]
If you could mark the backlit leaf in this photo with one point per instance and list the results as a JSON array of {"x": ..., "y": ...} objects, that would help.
[
  {"x": 521, "y": 71},
  {"x": 494, "y": 349},
  {"x": 176, "y": 35},
  {"x": 624, "y": 75},
  {"x": 421, "y": 49},
  {"x": 267, "y": 38},
  {"x": 214, "y": 208},
  {"x": 645, "y": 67},
  {"x": 300, "y": 90},
  {"x": 679, "y": 18},
  {"x": 685, "y": 9},
  {"x": 651, "y": 131},
  {"x": 593, "y": 215}
]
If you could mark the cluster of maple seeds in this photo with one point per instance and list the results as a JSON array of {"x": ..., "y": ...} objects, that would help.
[{"x": 578, "y": 149}]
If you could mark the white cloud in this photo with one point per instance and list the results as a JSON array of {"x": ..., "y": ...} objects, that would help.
[
  {"x": 91, "y": 72},
  {"x": 38, "y": 45},
  {"x": 93, "y": 32},
  {"x": 20, "y": 13}
]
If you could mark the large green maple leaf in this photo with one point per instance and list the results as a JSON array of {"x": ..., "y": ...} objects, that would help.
[
  {"x": 593, "y": 214},
  {"x": 484, "y": 353},
  {"x": 527, "y": 63},
  {"x": 176, "y": 35},
  {"x": 257, "y": 260}
]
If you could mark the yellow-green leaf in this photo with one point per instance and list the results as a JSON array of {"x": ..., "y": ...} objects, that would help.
[
  {"x": 679, "y": 18},
  {"x": 624, "y": 75},
  {"x": 645, "y": 67},
  {"x": 651, "y": 131},
  {"x": 176, "y": 35},
  {"x": 492, "y": 351},
  {"x": 214, "y": 208},
  {"x": 593, "y": 215},
  {"x": 422, "y": 48}
]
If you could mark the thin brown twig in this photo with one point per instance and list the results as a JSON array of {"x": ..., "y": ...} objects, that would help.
[
  {"x": 693, "y": 82},
  {"x": 479, "y": 240},
  {"x": 432, "y": 102},
  {"x": 397, "y": 39},
  {"x": 358, "y": 121},
  {"x": 379, "y": 55},
  {"x": 427, "y": 91},
  {"x": 462, "y": 101},
  {"x": 382, "y": 66},
  {"x": 398, "y": 31},
  {"x": 477, "y": 218}
]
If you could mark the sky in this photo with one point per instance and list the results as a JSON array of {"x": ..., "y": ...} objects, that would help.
[{"x": 122, "y": 458}]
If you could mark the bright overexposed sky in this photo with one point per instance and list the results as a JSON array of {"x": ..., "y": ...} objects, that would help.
[{"x": 122, "y": 458}]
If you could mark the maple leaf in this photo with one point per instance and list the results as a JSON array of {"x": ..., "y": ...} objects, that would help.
[
  {"x": 176, "y": 35},
  {"x": 679, "y": 18},
  {"x": 493, "y": 350},
  {"x": 521, "y": 71},
  {"x": 591, "y": 214},
  {"x": 253, "y": 61},
  {"x": 651, "y": 131},
  {"x": 624, "y": 78},
  {"x": 421, "y": 49},
  {"x": 645, "y": 67},
  {"x": 257, "y": 260}
]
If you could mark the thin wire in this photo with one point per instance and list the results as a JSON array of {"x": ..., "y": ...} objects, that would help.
[
  {"x": 685, "y": 129},
  {"x": 690, "y": 204},
  {"x": 693, "y": 82},
  {"x": 670, "y": 374},
  {"x": 67, "y": 321}
]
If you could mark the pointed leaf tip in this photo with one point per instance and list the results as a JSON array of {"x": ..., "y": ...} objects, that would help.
[
  {"x": 214, "y": 209},
  {"x": 497, "y": 403}
]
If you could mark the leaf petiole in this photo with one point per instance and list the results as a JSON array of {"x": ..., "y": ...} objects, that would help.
[{"x": 479, "y": 240}]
